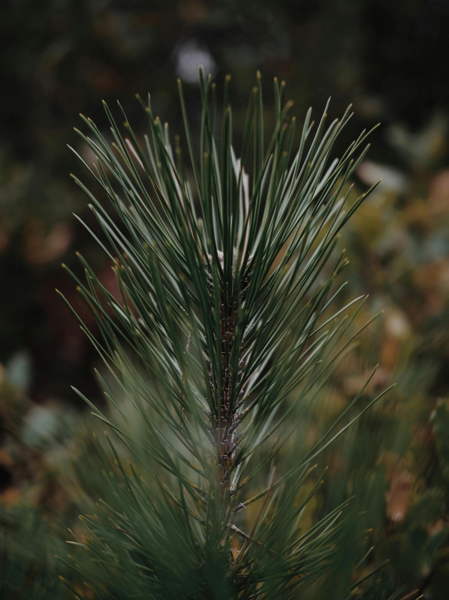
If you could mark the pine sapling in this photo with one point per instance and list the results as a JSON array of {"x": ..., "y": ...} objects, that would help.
[{"x": 226, "y": 263}]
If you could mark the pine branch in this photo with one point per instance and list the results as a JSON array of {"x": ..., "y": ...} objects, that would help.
[{"x": 223, "y": 331}]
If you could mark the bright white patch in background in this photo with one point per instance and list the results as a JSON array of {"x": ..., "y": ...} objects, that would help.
[
  {"x": 392, "y": 179},
  {"x": 189, "y": 56}
]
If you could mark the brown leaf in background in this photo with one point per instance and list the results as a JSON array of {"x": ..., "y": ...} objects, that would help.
[
  {"x": 40, "y": 248},
  {"x": 439, "y": 193},
  {"x": 401, "y": 482},
  {"x": 398, "y": 497}
]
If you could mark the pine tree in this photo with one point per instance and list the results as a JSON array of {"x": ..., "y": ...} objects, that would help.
[{"x": 227, "y": 268}]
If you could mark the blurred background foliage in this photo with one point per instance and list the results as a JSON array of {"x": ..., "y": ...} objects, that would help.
[{"x": 62, "y": 57}]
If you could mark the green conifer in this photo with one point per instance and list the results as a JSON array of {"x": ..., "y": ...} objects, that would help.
[{"x": 227, "y": 270}]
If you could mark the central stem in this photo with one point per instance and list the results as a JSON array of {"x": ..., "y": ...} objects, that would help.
[
  {"x": 224, "y": 423},
  {"x": 226, "y": 435}
]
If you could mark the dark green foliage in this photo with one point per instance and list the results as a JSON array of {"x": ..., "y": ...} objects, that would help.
[
  {"x": 222, "y": 336},
  {"x": 27, "y": 565}
]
